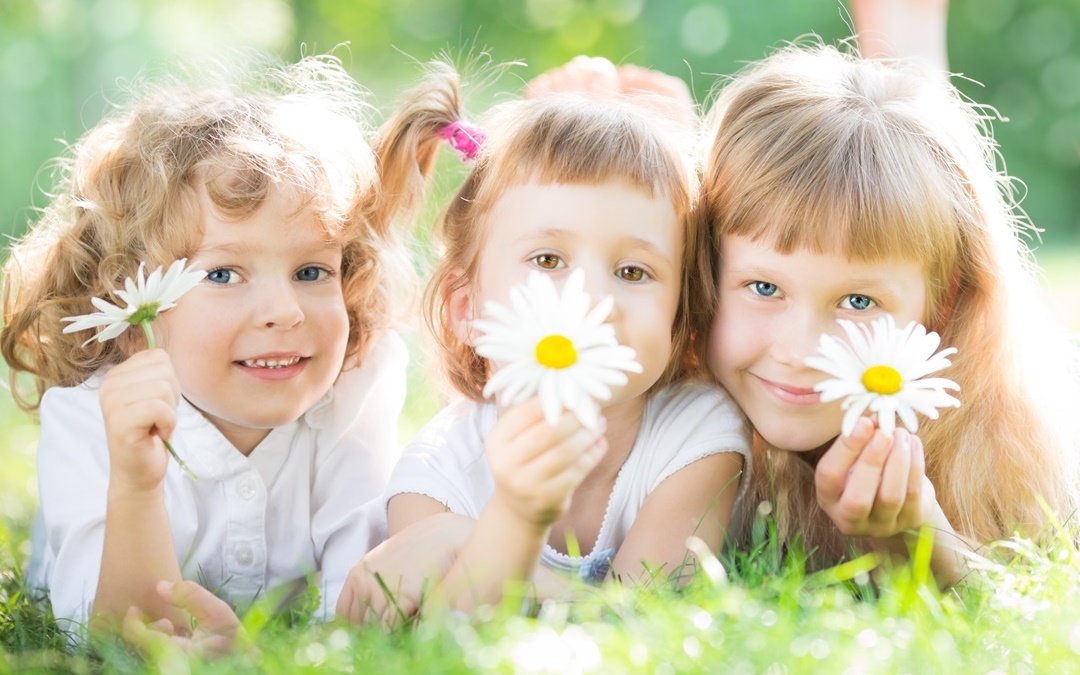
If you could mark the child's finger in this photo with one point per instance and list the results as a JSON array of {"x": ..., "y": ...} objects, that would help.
[
  {"x": 211, "y": 612},
  {"x": 834, "y": 467},
  {"x": 912, "y": 516},
  {"x": 536, "y": 437},
  {"x": 859, "y": 492},
  {"x": 567, "y": 453},
  {"x": 894, "y": 480},
  {"x": 345, "y": 607}
]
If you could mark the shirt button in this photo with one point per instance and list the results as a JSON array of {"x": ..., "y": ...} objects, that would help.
[
  {"x": 244, "y": 555},
  {"x": 246, "y": 489}
]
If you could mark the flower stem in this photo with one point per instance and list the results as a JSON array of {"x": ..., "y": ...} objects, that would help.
[
  {"x": 182, "y": 463},
  {"x": 152, "y": 344},
  {"x": 149, "y": 332}
]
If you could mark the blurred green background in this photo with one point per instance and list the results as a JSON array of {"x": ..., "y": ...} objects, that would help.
[{"x": 61, "y": 60}]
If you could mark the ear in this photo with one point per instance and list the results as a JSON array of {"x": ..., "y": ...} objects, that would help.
[{"x": 458, "y": 294}]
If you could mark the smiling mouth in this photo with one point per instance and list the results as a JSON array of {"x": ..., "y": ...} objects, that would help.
[
  {"x": 789, "y": 394},
  {"x": 272, "y": 363}
]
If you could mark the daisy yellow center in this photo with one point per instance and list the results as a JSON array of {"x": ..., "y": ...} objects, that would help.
[
  {"x": 556, "y": 351},
  {"x": 882, "y": 380}
]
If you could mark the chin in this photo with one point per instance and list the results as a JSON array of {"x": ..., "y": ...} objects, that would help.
[{"x": 784, "y": 440}]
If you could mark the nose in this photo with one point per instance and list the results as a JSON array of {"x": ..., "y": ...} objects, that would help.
[
  {"x": 599, "y": 284},
  {"x": 277, "y": 305},
  {"x": 795, "y": 336}
]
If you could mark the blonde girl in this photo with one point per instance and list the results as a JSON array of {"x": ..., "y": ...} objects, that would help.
[
  {"x": 563, "y": 184},
  {"x": 843, "y": 188},
  {"x": 278, "y": 378}
]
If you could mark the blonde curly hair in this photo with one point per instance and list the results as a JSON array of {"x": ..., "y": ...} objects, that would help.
[{"x": 128, "y": 192}]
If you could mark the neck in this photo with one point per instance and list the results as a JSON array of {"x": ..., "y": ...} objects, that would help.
[
  {"x": 809, "y": 457},
  {"x": 623, "y": 424}
]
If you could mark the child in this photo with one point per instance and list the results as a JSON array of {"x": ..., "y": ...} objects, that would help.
[
  {"x": 564, "y": 184},
  {"x": 278, "y": 379},
  {"x": 843, "y": 188}
]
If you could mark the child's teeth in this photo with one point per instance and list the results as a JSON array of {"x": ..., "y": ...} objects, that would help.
[{"x": 271, "y": 363}]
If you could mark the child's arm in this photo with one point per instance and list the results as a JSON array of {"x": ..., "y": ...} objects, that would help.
[
  {"x": 139, "y": 398},
  {"x": 696, "y": 500},
  {"x": 902, "y": 29},
  {"x": 536, "y": 469},
  {"x": 873, "y": 485},
  {"x": 391, "y": 582}
]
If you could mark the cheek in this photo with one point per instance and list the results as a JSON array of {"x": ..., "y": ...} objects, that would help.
[
  {"x": 334, "y": 321},
  {"x": 722, "y": 338}
]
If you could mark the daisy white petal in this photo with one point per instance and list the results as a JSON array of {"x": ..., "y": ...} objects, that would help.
[
  {"x": 906, "y": 413},
  {"x": 882, "y": 369},
  {"x": 555, "y": 345},
  {"x": 855, "y": 406},
  {"x": 145, "y": 299}
]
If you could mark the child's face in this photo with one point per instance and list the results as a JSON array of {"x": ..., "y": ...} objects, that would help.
[
  {"x": 773, "y": 309},
  {"x": 629, "y": 245},
  {"x": 263, "y": 337}
]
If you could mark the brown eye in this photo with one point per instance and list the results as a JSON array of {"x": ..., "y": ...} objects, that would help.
[
  {"x": 630, "y": 273},
  {"x": 547, "y": 261}
]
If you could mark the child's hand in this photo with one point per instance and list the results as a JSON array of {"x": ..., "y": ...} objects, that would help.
[
  {"x": 660, "y": 93},
  {"x": 410, "y": 564},
  {"x": 592, "y": 75},
  {"x": 598, "y": 77},
  {"x": 138, "y": 400},
  {"x": 872, "y": 485},
  {"x": 538, "y": 467},
  {"x": 215, "y": 629}
]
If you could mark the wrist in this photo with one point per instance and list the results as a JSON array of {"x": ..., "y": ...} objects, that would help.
[
  {"x": 505, "y": 508},
  {"x": 124, "y": 490}
]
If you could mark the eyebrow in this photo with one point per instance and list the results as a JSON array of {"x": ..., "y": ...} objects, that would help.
[
  {"x": 638, "y": 242},
  {"x": 248, "y": 248}
]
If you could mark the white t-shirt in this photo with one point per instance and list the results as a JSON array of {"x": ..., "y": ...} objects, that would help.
[
  {"x": 680, "y": 425},
  {"x": 306, "y": 499}
]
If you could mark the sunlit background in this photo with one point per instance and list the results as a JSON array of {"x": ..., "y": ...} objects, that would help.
[{"x": 61, "y": 61}]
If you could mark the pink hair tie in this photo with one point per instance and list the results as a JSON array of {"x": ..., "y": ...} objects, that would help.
[{"x": 464, "y": 138}]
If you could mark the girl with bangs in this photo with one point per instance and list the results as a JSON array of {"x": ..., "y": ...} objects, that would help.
[
  {"x": 278, "y": 379},
  {"x": 843, "y": 188},
  {"x": 563, "y": 185}
]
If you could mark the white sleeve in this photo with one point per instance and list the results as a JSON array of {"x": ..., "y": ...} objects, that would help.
[
  {"x": 356, "y": 448},
  {"x": 695, "y": 421},
  {"x": 73, "y": 481},
  {"x": 446, "y": 460}
]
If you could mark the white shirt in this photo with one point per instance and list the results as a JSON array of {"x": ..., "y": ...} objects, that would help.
[
  {"x": 305, "y": 500},
  {"x": 680, "y": 425}
]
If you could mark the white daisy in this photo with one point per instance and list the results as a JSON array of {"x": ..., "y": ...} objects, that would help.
[
  {"x": 555, "y": 346},
  {"x": 146, "y": 297},
  {"x": 882, "y": 371}
]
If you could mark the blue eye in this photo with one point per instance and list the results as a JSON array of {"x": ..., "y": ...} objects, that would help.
[
  {"x": 222, "y": 275},
  {"x": 858, "y": 302},
  {"x": 764, "y": 288},
  {"x": 312, "y": 274}
]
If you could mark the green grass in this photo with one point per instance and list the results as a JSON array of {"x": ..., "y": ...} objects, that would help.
[{"x": 766, "y": 614}]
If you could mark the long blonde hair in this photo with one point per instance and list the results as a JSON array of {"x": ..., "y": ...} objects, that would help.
[
  {"x": 816, "y": 149},
  {"x": 128, "y": 192},
  {"x": 574, "y": 140}
]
